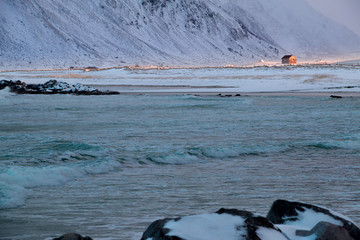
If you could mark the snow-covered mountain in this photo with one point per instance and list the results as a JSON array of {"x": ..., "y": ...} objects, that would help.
[{"x": 63, "y": 33}]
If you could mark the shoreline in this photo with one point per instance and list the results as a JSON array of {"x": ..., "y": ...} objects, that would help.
[
  {"x": 157, "y": 67},
  {"x": 258, "y": 81},
  {"x": 245, "y": 94}
]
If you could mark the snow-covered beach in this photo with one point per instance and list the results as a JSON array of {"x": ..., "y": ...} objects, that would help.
[{"x": 278, "y": 80}]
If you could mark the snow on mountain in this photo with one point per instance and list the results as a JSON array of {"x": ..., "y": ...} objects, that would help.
[
  {"x": 298, "y": 28},
  {"x": 63, "y": 33}
]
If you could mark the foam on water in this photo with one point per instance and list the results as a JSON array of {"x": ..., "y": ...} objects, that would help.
[
  {"x": 350, "y": 142},
  {"x": 205, "y": 153},
  {"x": 16, "y": 181},
  {"x": 5, "y": 93}
]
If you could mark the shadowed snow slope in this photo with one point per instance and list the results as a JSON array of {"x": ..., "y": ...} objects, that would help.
[{"x": 37, "y": 34}]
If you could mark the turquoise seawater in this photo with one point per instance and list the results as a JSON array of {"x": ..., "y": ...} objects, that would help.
[{"x": 107, "y": 166}]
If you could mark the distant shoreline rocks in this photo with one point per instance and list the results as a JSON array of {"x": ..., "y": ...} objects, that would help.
[{"x": 52, "y": 87}]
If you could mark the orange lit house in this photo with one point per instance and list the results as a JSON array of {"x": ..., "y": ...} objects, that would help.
[{"x": 288, "y": 59}]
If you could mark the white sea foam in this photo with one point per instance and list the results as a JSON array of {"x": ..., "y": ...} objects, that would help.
[
  {"x": 4, "y": 93},
  {"x": 16, "y": 181}
]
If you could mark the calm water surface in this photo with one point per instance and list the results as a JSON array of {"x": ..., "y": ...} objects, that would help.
[{"x": 107, "y": 166}]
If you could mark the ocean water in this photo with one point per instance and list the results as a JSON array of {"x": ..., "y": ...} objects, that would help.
[{"x": 107, "y": 166}]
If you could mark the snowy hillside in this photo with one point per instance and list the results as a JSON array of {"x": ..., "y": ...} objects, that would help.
[
  {"x": 298, "y": 28},
  {"x": 63, "y": 33}
]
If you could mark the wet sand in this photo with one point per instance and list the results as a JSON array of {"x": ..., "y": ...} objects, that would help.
[
  {"x": 224, "y": 91},
  {"x": 258, "y": 94}
]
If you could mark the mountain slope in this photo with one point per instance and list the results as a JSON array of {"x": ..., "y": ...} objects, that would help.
[
  {"x": 65, "y": 33},
  {"x": 298, "y": 28}
]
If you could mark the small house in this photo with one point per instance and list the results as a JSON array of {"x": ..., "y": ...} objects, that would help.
[
  {"x": 88, "y": 69},
  {"x": 288, "y": 59}
]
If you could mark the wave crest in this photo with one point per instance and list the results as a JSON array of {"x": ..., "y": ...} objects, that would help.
[{"x": 16, "y": 181}]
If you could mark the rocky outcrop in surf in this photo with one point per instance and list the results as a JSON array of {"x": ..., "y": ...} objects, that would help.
[{"x": 52, "y": 87}]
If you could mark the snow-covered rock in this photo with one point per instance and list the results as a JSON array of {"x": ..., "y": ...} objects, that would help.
[
  {"x": 285, "y": 221},
  {"x": 305, "y": 217},
  {"x": 60, "y": 34},
  {"x": 227, "y": 224},
  {"x": 52, "y": 87}
]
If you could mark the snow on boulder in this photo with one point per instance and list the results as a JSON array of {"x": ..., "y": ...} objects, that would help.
[
  {"x": 299, "y": 220},
  {"x": 227, "y": 224}
]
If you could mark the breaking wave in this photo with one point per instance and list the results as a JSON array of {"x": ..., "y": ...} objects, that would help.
[
  {"x": 207, "y": 153},
  {"x": 204, "y": 154},
  {"x": 16, "y": 181},
  {"x": 4, "y": 93}
]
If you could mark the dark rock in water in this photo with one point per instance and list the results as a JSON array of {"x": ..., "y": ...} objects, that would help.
[
  {"x": 247, "y": 226},
  {"x": 72, "y": 236},
  {"x": 283, "y": 212},
  {"x": 13, "y": 85},
  {"x": 335, "y": 96},
  {"x": 52, "y": 87},
  {"x": 326, "y": 231}
]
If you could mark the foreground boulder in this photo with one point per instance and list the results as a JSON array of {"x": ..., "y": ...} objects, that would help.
[
  {"x": 52, "y": 87},
  {"x": 285, "y": 221},
  {"x": 317, "y": 220},
  {"x": 72, "y": 236},
  {"x": 227, "y": 224}
]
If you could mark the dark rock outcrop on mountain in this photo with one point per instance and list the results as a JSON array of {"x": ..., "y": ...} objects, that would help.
[{"x": 52, "y": 87}]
